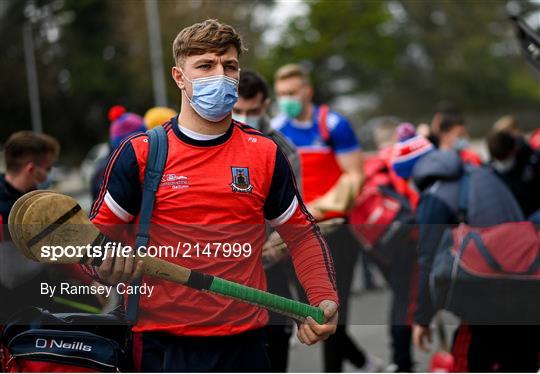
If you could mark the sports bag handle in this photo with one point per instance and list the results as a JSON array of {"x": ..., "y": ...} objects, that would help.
[
  {"x": 155, "y": 164},
  {"x": 492, "y": 261}
]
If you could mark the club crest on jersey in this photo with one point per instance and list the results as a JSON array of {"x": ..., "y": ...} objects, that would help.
[{"x": 240, "y": 180}]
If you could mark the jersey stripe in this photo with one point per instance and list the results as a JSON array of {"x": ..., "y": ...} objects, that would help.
[
  {"x": 248, "y": 130},
  {"x": 117, "y": 209},
  {"x": 286, "y": 215}
]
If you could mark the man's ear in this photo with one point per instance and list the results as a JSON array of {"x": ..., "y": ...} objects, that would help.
[
  {"x": 266, "y": 105},
  {"x": 178, "y": 77},
  {"x": 310, "y": 92},
  {"x": 29, "y": 167}
]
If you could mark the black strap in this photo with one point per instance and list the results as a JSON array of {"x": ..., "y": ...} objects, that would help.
[
  {"x": 474, "y": 236},
  {"x": 155, "y": 164},
  {"x": 463, "y": 198},
  {"x": 492, "y": 261},
  {"x": 53, "y": 226}
]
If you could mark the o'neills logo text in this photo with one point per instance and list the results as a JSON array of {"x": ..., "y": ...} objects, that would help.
[{"x": 61, "y": 344}]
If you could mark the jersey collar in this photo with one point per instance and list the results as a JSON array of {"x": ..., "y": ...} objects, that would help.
[{"x": 200, "y": 143}]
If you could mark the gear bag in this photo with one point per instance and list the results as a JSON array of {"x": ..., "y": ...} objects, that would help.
[
  {"x": 38, "y": 341},
  {"x": 489, "y": 275}
]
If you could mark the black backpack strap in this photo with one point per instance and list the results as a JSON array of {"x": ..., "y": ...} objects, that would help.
[
  {"x": 389, "y": 191},
  {"x": 463, "y": 198},
  {"x": 155, "y": 164},
  {"x": 484, "y": 251}
]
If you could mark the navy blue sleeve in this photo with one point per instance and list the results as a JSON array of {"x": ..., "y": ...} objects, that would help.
[
  {"x": 121, "y": 189},
  {"x": 434, "y": 217},
  {"x": 282, "y": 194}
]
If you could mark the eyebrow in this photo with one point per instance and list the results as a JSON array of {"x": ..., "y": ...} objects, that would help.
[{"x": 205, "y": 60}]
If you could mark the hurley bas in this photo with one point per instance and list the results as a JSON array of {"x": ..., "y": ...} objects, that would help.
[{"x": 65, "y": 288}]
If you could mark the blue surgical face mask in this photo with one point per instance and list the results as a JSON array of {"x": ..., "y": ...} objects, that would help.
[
  {"x": 461, "y": 144},
  {"x": 45, "y": 184},
  {"x": 253, "y": 121},
  {"x": 213, "y": 97}
]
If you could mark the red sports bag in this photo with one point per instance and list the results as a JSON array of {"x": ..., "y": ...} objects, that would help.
[
  {"x": 381, "y": 219},
  {"x": 489, "y": 275}
]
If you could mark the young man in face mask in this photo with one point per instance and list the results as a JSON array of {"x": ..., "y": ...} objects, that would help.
[
  {"x": 29, "y": 157},
  {"x": 518, "y": 166},
  {"x": 218, "y": 172},
  {"x": 453, "y": 135},
  {"x": 332, "y": 174},
  {"x": 251, "y": 108}
]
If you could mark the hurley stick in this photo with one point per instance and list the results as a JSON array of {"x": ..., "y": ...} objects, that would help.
[{"x": 51, "y": 219}]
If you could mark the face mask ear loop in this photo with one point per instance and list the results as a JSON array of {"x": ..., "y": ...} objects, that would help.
[{"x": 183, "y": 90}]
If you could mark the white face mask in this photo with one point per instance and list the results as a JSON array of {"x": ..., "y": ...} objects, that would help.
[
  {"x": 253, "y": 121},
  {"x": 503, "y": 166}
]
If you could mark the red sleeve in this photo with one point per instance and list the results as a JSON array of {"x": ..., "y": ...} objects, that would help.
[
  {"x": 286, "y": 212},
  {"x": 311, "y": 257}
]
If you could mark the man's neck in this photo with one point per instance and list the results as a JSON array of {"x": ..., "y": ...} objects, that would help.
[
  {"x": 189, "y": 119},
  {"x": 306, "y": 115},
  {"x": 18, "y": 182}
]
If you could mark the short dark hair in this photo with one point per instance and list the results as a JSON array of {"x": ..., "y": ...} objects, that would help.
[
  {"x": 251, "y": 83},
  {"x": 449, "y": 121},
  {"x": 501, "y": 144},
  {"x": 27, "y": 146}
]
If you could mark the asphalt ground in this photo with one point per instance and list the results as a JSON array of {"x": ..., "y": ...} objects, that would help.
[{"x": 368, "y": 312}]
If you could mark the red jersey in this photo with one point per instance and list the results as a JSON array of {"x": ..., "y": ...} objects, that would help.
[{"x": 212, "y": 190}]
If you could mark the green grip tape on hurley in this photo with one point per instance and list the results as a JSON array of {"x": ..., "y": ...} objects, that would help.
[{"x": 267, "y": 300}]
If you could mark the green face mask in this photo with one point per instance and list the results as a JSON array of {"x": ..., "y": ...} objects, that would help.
[{"x": 290, "y": 105}]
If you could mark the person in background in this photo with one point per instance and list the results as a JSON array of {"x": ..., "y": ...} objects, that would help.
[
  {"x": 437, "y": 175},
  {"x": 424, "y": 129},
  {"x": 453, "y": 135},
  {"x": 443, "y": 110},
  {"x": 157, "y": 116},
  {"x": 29, "y": 157},
  {"x": 402, "y": 269},
  {"x": 508, "y": 124},
  {"x": 518, "y": 166},
  {"x": 250, "y": 109},
  {"x": 332, "y": 174},
  {"x": 236, "y": 176},
  {"x": 123, "y": 125}
]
